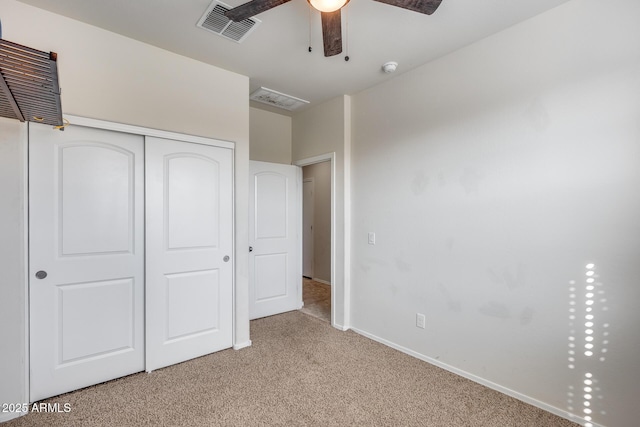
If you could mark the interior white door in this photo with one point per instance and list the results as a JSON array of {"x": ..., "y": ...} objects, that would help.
[
  {"x": 189, "y": 214},
  {"x": 275, "y": 276},
  {"x": 307, "y": 227},
  {"x": 86, "y": 260}
]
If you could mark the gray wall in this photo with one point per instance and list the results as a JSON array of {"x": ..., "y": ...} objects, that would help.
[
  {"x": 269, "y": 137},
  {"x": 321, "y": 174},
  {"x": 321, "y": 130},
  {"x": 493, "y": 177}
]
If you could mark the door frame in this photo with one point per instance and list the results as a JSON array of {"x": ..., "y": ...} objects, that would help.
[
  {"x": 331, "y": 157},
  {"x": 135, "y": 130},
  {"x": 312, "y": 218},
  {"x": 23, "y": 142}
]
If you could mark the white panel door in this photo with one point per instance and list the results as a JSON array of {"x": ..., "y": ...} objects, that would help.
[
  {"x": 86, "y": 242},
  {"x": 275, "y": 276},
  {"x": 189, "y": 213}
]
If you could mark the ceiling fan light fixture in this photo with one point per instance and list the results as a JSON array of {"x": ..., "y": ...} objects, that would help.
[{"x": 328, "y": 5}]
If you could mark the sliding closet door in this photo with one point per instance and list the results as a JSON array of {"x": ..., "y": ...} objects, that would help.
[
  {"x": 86, "y": 261},
  {"x": 189, "y": 245}
]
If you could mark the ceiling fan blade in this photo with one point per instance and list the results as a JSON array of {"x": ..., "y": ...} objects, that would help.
[
  {"x": 252, "y": 8},
  {"x": 332, "y": 32},
  {"x": 421, "y": 6}
]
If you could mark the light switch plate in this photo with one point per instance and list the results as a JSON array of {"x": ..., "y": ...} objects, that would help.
[
  {"x": 420, "y": 320},
  {"x": 372, "y": 238}
]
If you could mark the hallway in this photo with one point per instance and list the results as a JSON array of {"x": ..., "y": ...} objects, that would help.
[{"x": 317, "y": 299}]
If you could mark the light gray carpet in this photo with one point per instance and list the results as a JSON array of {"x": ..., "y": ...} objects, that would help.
[{"x": 299, "y": 372}]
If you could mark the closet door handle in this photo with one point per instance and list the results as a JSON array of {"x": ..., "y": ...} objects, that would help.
[
  {"x": 250, "y": 248},
  {"x": 41, "y": 274},
  {"x": 226, "y": 258}
]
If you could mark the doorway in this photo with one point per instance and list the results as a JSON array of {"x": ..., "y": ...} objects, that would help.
[{"x": 317, "y": 239}]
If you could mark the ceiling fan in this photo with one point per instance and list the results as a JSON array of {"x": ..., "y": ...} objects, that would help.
[{"x": 330, "y": 12}]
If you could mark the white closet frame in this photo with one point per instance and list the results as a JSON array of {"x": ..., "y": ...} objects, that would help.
[{"x": 135, "y": 130}]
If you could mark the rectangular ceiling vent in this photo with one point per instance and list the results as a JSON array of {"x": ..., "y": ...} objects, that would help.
[
  {"x": 277, "y": 99},
  {"x": 215, "y": 21}
]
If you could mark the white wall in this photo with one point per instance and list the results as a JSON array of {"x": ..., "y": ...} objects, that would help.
[
  {"x": 492, "y": 177},
  {"x": 110, "y": 77},
  {"x": 321, "y": 174},
  {"x": 269, "y": 137},
  {"x": 13, "y": 140},
  {"x": 317, "y": 131}
]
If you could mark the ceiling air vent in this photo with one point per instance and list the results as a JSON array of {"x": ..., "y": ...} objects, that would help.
[
  {"x": 277, "y": 99},
  {"x": 214, "y": 20}
]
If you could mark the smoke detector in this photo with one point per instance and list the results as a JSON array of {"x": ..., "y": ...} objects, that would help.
[
  {"x": 389, "y": 67},
  {"x": 277, "y": 99}
]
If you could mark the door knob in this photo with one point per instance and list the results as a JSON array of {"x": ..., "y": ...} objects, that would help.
[
  {"x": 226, "y": 258},
  {"x": 250, "y": 248},
  {"x": 41, "y": 274}
]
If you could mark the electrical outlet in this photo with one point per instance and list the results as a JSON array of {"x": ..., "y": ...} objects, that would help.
[{"x": 420, "y": 321}]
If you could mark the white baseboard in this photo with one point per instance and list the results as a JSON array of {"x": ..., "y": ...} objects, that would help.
[
  {"x": 242, "y": 345},
  {"x": 504, "y": 390},
  {"x": 7, "y": 416},
  {"x": 321, "y": 281},
  {"x": 341, "y": 327}
]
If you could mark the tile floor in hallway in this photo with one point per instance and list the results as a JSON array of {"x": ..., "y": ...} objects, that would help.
[{"x": 317, "y": 299}]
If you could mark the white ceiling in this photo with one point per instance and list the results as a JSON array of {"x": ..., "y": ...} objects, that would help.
[{"x": 276, "y": 54}]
